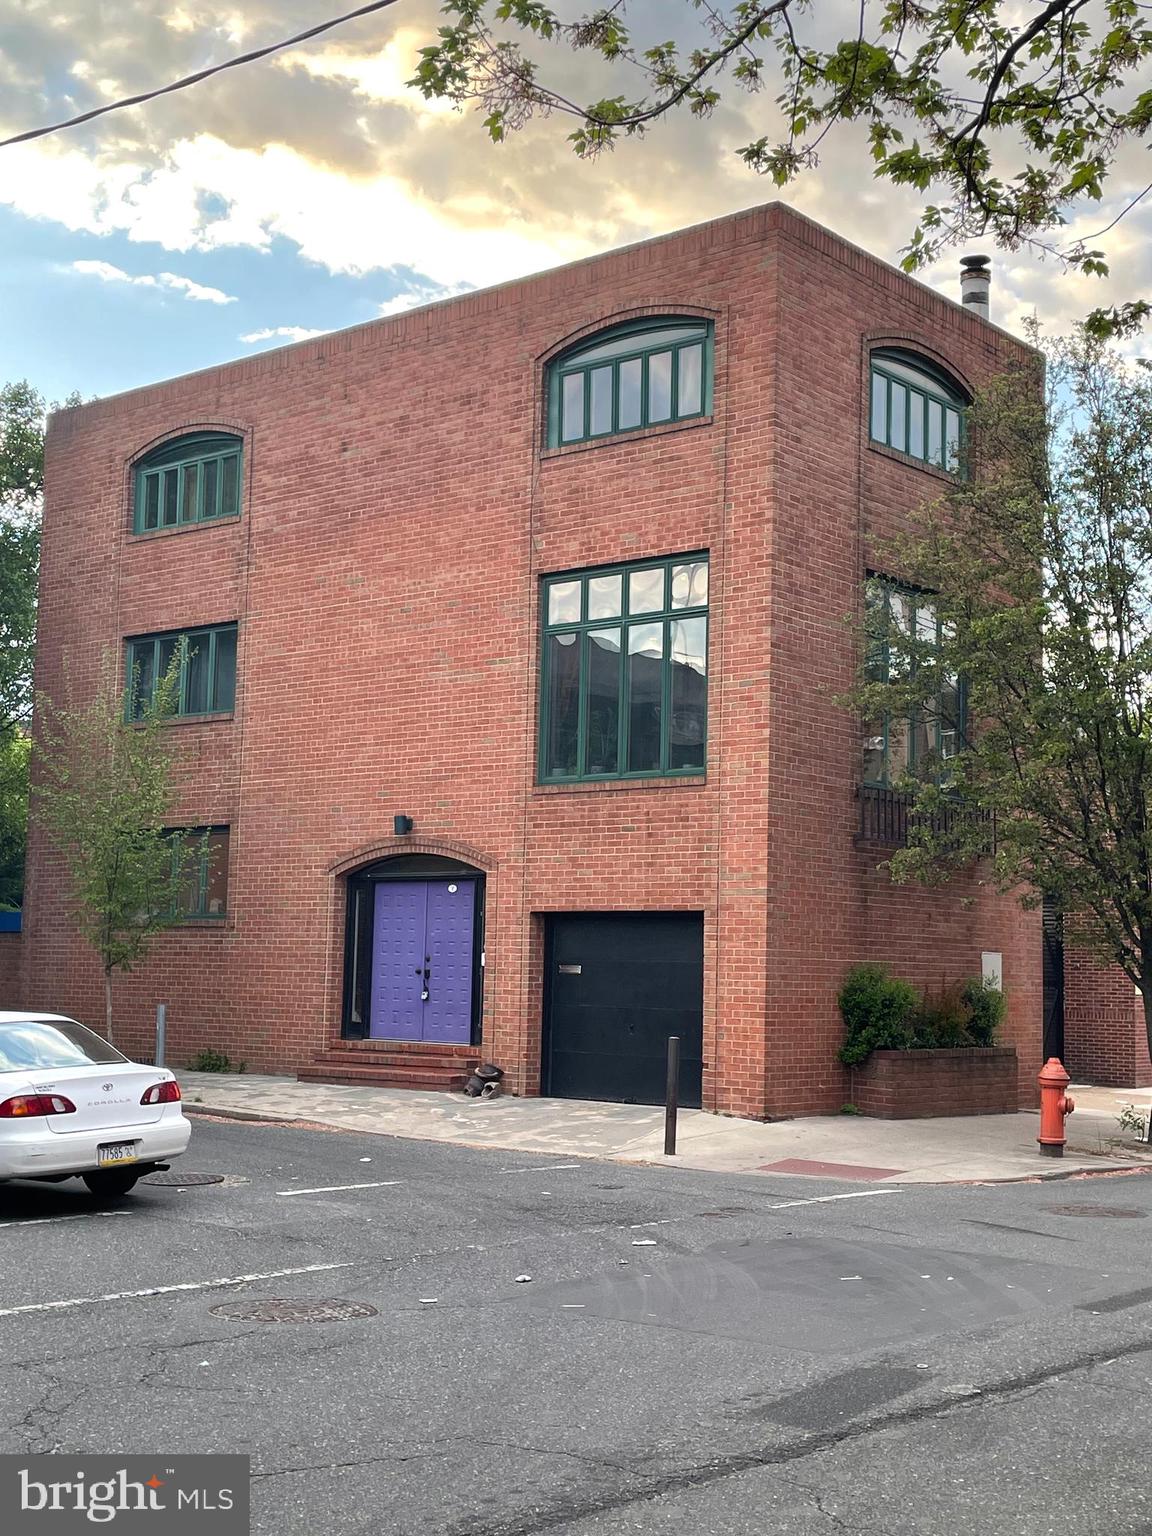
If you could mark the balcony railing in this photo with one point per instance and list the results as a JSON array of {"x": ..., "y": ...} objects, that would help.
[{"x": 886, "y": 815}]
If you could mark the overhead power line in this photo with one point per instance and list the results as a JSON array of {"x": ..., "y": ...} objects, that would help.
[{"x": 203, "y": 74}]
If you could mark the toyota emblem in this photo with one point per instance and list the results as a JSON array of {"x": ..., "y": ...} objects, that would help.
[{"x": 107, "y": 1087}]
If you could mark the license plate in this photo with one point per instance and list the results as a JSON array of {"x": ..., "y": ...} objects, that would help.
[{"x": 117, "y": 1152}]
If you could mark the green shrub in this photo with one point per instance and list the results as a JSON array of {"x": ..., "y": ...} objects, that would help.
[
  {"x": 208, "y": 1060},
  {"x": 941, "y": 1020},
  {"x": 986, "y": 1006},
  {"x": 877, "y": 1011}
]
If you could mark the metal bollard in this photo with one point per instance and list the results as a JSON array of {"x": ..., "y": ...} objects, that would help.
[
  {"x": 161, "y": 1030},
  {"x": 672, "y": 1096}
]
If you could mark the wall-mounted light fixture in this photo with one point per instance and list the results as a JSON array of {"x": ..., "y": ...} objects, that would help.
[{"x": 401, "y": 825}]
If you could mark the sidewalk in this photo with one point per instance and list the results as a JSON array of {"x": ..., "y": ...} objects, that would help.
[{"x": 983, "y": 1148}]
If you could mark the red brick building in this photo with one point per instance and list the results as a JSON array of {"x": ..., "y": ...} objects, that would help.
[{"x": 556, "y": 572}]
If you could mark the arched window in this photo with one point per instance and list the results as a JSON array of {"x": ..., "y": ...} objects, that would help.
[
  {"x": 917, "y": 408},
  {"x": 630, "y": 377},
  {"x": 193, "y": 479}
]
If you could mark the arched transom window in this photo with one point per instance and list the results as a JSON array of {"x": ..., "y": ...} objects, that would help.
[
  {"x": 191, "y": 479},
  {"x": 633, "y": 376},
  {"x": 917, "y": 408}
]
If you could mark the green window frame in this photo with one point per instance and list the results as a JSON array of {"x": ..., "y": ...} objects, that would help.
[
  {"x": 915, "y": 408},
  {"x": 206, "y": 683},
  {"x": 195, "y": 479},
  {"x": 624, "y": 671},
  {"x": 200, "y": 873},
  {"x": 921, "y": 744},
  {"x": 651, "y": 372}
]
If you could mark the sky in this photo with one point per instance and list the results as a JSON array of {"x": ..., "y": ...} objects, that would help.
[{"x": 316, "y": 190}]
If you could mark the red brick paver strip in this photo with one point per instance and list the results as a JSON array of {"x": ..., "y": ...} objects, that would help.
[{"x": 828, "y": 1170}]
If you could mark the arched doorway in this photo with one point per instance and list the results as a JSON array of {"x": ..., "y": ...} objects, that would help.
[{"x": 414, "y": 951}]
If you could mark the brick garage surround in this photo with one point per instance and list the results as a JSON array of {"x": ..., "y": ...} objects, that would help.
[
  {"x": 915, "y": 1085},
  {"x": 398, "y": 512}
]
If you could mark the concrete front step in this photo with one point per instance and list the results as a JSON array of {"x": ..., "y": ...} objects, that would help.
[
  {"x": 445, "y": 1078},
  {"x": 389, "y": 1060},
  {"x": 422, "y": 1049},
  {"x": 342, "y": 1061}
]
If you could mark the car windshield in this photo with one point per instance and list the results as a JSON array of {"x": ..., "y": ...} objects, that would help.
[{"x": 34, "y": 1044}]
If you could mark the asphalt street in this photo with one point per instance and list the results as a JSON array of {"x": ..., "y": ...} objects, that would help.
[{"x": 479, "y": 1343}]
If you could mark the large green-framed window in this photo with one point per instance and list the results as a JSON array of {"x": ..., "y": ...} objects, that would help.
[
  {"x": 194, "y": 479},
  {"x": 630, "y": 377},
  {"x": 922, "y": 743},
  {"x": 916, "y": 408},
  {"x": 625, "y": 671},
  {"x": 206, "y": 680},
  {"x": 200, "y": 866}
]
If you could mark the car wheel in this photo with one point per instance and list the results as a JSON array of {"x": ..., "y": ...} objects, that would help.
[{"x": 108, "y": 1183}]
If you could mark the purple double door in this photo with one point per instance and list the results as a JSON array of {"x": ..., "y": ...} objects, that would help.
[{"x": 422, "y": 958}]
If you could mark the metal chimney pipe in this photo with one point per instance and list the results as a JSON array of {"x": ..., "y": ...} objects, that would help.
[{"x": 976, "y": 284}]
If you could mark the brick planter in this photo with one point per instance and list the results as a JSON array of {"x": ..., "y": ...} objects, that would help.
[{"x": 915, "y": 1085}]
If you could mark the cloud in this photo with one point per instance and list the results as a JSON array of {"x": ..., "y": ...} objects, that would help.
[
  {"x": 341, "y": 222},
  {"x": 282, "y": 333},
  {"x": 326, "y": 147},
  {"x": 196, "y": 291},
  {"x": 107, "y": 273},
  {"x": 418, "y": 294}
]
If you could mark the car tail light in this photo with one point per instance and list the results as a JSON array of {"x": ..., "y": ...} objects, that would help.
[
  {"x": 24, "y": 1104},
  {"x": 161, "y": 1093}
]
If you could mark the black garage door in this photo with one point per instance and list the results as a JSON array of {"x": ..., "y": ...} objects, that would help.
[{"x": 618, "y": 984}]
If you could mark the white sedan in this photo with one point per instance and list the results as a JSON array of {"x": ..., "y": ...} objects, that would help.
[{"x": 72, "y": 1106}]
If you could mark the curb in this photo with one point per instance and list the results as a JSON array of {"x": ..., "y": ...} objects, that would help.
[
  {"x": 240, "y": 1114},
  {"x": 1058, "y": 1175},
  {"x": 1047, "y": 1177}
]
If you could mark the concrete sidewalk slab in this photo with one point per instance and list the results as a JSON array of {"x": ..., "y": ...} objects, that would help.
[{"x": 983, "y": 1148}]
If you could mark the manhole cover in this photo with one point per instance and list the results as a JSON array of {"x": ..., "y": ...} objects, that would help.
[
  {"x": 183, "y": 1180},
  {"x": 292, "y": 1309},
  {"x": 1116, "y": 1212}
]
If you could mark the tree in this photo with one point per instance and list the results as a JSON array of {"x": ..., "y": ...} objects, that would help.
[
  {"x": 1038, "y": 571},
  {"x": 21, "y": 484},
  {"x": 103, "y": 795},
  {"x": 1009, "y": 117},
  {"x": 14, "y": 753}
]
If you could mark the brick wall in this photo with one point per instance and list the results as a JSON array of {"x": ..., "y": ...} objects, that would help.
[
  {"x": 835, "y": 499},
  {"x": 399, "y": 510},
  {"x": 913, "y": 1085},
  {"x": 1105, "y": 1038},
  {"x": 10, "y": 945}
]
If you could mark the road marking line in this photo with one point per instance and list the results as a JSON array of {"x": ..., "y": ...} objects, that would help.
[
  {"x": 332, "y": 1189},
  {"x": 165, "y": 1290},
  {"x": 542, "y": 1168},
  {"x": 855, "y": 1194},
  {"x": 43, "y": 1221}
]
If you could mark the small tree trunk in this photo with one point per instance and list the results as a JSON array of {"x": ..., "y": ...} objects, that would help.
[
  {"x": 1145, "y": 988},
  {"x": 108, "y": 1005},
  {"x": 1146, "y": 999}
]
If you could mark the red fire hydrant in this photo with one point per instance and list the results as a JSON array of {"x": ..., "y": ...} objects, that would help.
[{"x": 1054, "y": 1106}]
